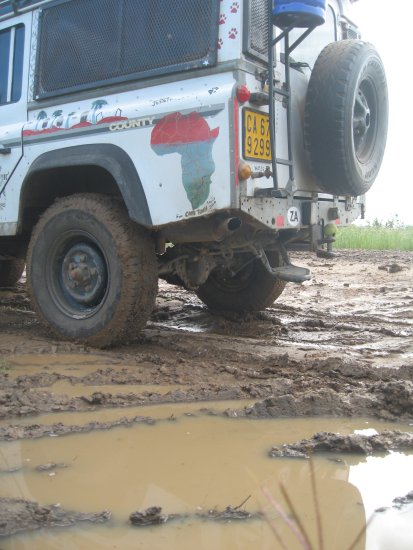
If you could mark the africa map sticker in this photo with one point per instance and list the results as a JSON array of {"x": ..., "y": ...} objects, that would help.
[{"x": 191, "y": 137}]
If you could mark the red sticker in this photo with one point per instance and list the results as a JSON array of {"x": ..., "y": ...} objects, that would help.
[{"x": 176, "y": 128}]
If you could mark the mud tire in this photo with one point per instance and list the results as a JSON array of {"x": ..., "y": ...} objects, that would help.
[
  {"x": 11, "y": 272},
  {"x": 121, "y": 257},
  {"x": 346, "y": 117},
  {"x": 252, "y": 289}
]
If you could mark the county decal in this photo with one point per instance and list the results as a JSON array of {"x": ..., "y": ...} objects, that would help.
[{"x": 191, "y": 137}]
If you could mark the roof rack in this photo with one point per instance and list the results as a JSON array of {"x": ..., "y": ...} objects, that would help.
[{"x": 9, "y": 8}]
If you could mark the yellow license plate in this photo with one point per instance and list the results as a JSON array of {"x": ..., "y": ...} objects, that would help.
[{"x": 256, "y": 135}]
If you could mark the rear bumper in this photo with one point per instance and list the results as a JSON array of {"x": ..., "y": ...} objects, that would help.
[{"x": 299, "y": 213}]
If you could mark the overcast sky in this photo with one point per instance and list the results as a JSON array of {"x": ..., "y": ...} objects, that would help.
[{"x": 389, "y": 26}]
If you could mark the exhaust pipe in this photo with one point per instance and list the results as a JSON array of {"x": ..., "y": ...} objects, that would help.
[
  {"x": 226, "y": 227},
  {"x": 202, "y": 231}
]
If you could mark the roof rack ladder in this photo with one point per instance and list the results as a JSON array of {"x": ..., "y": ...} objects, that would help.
[{"x": 286, "y": 24}]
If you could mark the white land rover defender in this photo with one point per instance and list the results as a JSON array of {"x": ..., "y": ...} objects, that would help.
[{"x": 193, "y": 140}]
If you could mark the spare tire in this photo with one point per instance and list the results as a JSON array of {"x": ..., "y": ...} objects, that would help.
[{"x": 346, "y": 116}]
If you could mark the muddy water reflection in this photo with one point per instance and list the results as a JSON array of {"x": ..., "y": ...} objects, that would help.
[{"x": 194, "y": 463}]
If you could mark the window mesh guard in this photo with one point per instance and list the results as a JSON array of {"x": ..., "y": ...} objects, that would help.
[
  {"x": 87, "y": 42},
  {"x": 256, "y": 35}
]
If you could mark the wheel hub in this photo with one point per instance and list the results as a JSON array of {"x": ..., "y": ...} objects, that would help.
[
  {"x": 84, "y": 274},
  {"x": 363, "y": 122}
]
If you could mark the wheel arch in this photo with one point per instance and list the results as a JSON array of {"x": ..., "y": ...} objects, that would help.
[{"x": 97, "y": 168}]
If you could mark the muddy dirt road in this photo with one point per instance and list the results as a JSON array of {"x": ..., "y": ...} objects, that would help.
[
  {"x": 339, "y": 346},
  {"x": 342, "y": 344}
]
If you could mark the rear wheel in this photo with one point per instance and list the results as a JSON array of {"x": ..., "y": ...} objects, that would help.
[
  {"x": 91, "y": 273},
  {"x": 251, "y": 289},
  {"x": 10, "y": 272}
]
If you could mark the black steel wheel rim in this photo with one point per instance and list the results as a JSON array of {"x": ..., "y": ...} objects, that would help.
[
  {"x": 77, "y": 274},
  {"x": 365, "y": 120}
]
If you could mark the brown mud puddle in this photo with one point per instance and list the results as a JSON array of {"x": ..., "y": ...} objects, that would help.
[{"x": 197, "y": 463}]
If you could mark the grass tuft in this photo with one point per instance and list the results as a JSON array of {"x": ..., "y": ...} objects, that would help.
[
  {"x": 375, "y": 238},
  {"x": 4, "y": 365}
]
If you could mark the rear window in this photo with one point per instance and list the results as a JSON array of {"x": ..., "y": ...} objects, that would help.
[
  {"x": 85, "y": 43},
  {"x": 256, "y": 28}
]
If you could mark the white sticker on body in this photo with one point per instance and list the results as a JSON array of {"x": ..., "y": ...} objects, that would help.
[{"x": 293, "y": 216}]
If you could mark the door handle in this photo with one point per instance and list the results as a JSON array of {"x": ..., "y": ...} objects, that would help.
[{"x": 5, "y": 150}]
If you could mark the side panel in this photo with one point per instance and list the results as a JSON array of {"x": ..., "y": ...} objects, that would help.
[{"x": 176, "y": 135}]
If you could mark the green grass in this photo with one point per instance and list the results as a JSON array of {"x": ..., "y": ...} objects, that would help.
[
  {"x": 375, "y": 238},
  {"x": 4, "y": 365}
]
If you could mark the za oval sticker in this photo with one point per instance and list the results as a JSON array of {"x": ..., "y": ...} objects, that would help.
[{"x": 293, "y": 216}]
